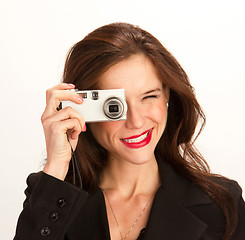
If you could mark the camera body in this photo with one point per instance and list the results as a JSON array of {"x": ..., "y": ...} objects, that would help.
[{"x": 100, "y": 105}]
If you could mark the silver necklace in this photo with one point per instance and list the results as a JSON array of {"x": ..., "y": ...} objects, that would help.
[{"x": 137, "y": 219}]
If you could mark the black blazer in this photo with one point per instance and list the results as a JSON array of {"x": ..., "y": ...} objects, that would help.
[{"x": 181, "y": 210}]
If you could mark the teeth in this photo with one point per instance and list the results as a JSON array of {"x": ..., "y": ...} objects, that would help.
[{"x": 137, "y": 140}]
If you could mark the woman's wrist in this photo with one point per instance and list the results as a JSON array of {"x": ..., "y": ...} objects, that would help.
[{"x": 58, "y": 172}]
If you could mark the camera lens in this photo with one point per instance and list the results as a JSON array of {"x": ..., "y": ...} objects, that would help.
[{"x": 113, "y": 108}]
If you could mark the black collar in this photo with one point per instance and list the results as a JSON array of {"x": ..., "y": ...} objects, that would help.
[{"x": 170, "y": 217}]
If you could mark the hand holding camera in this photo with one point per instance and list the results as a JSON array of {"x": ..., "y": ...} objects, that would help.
[
  {"x": 75, "y": 108},
  {"x": 58, "y": 126}
]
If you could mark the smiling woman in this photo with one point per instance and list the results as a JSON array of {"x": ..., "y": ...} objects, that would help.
[
  {"x": 135, "y": 139},
  {"x": 142, "y": 177}
]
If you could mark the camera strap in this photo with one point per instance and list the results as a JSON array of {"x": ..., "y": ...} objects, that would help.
[{"x": 75, "y": 168}]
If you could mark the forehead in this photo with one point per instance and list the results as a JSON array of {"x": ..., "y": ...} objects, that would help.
[{"x": 136, "y": 73}]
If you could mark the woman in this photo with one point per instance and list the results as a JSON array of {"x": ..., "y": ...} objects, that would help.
[{"x": 142, "y": 178}]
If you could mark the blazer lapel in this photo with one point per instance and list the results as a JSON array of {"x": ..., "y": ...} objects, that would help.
[
  {"x": 91, "y": 221},
  {"x": 170, "y": 217},
  {"x": 169, "y": 220}
]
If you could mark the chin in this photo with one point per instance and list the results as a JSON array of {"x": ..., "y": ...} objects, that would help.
[{"x": 140, "y": 159}]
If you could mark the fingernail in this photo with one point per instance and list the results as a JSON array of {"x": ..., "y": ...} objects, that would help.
[
  {"x": 71, "y": 85},
  {"x": 80, "y": 99},
  {"x": 84, "y": 128}
]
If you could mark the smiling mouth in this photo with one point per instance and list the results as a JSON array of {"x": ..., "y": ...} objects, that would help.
[{"x": 138, "y": 139}]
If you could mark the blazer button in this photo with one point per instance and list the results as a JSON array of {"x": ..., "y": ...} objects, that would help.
[
  {"x": 61, "y": 202},
  {"x": 45, "y": 231},
  {"x": 54, "y": 216}
]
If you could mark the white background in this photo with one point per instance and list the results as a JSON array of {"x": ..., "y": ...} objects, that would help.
[{"x": 207, "y": 37}]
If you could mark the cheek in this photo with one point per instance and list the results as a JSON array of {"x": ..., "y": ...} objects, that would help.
[
  {"x": 103, "y": 132},
  {"x": 158, "y": 113}
]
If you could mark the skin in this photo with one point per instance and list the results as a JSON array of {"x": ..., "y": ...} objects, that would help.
[
  {"x": 56, "y": 124},
  {"x": 131, "y": 176}
]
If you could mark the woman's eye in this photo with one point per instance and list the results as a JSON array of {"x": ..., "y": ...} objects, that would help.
[{"x": 150, "y": 96}]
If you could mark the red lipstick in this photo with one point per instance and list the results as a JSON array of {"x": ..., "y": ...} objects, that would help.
[{"x": 136, "y": 142}]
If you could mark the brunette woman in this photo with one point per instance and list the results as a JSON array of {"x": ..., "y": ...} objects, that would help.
[{"x": 141, "y": 178}]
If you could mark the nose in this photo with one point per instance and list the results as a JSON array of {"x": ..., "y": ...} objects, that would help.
[{"x": 135, "y": 118}]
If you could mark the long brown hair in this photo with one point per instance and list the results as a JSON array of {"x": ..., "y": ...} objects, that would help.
[{"x": 97, "y": 52}]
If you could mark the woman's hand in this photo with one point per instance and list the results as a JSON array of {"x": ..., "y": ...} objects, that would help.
[{"x": 56, "y": 125}]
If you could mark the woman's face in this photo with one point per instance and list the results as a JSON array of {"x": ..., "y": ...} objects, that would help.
[{"x": 134, "y": 140}]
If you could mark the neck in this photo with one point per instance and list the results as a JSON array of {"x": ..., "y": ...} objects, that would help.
[{"x": 129, "y": 179}]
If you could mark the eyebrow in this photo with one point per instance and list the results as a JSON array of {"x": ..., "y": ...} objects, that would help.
[{"x": 153, "y": 90}]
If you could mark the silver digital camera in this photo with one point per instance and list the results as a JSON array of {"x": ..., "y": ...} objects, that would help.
[{"x": 100, "y": 105}]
